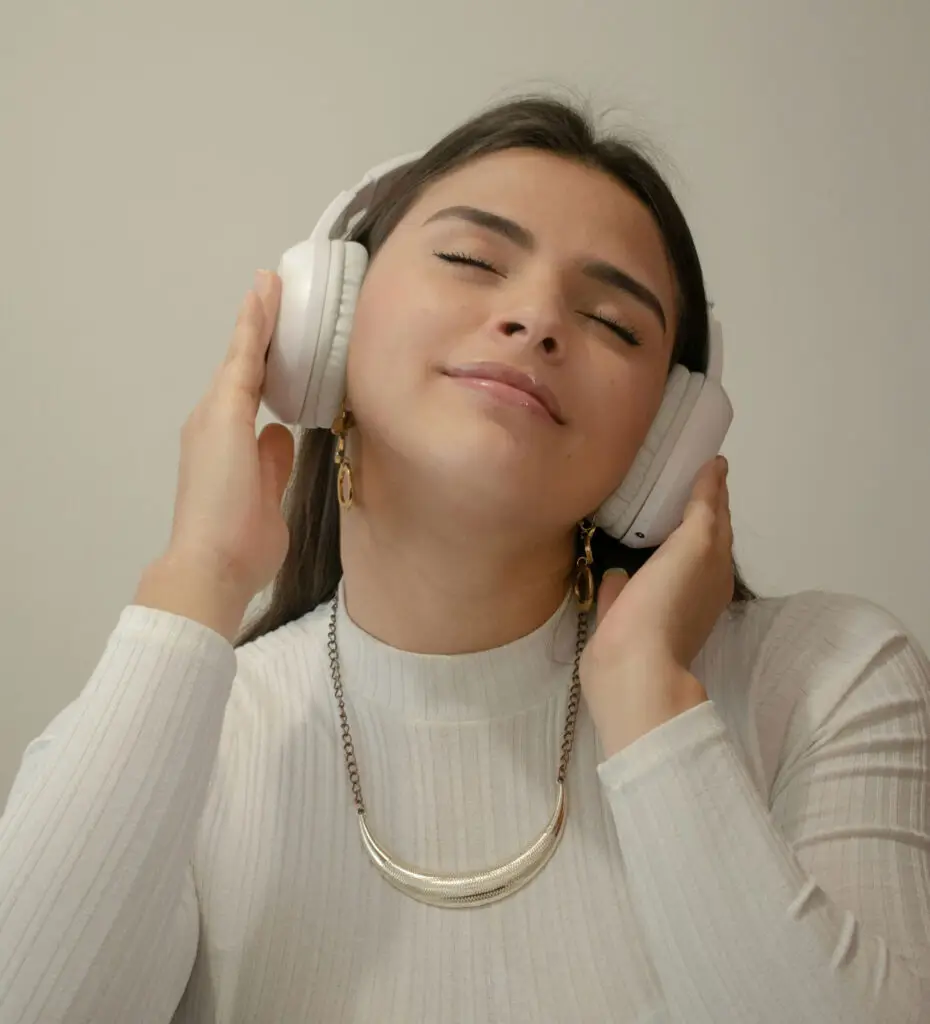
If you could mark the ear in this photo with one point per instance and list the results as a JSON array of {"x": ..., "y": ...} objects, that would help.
[{"x": 610, "y": 589}]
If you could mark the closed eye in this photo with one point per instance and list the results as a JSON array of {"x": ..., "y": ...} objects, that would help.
[
  {"x": 468, "y": 261},
  {"x": 626, "y": 333}
]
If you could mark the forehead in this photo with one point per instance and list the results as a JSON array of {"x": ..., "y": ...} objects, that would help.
[{"x": 561, "y": 201}]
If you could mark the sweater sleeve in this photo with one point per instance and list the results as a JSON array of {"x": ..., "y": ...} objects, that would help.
[
  {"x": 813, "y": 906},
  {"x": 98, "y": 913}
]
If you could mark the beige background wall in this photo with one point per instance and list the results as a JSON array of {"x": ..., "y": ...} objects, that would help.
[{"x": 154, "y": 154}]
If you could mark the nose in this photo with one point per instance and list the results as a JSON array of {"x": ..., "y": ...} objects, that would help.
[
  {"x": 547, "y": 342},
  {"x": 534, "y": 323}
]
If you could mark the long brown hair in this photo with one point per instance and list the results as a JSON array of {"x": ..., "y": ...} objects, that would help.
[{"x": 312, "y": 568}]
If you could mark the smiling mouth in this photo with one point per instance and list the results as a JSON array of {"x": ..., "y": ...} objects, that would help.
[{"x": 510, "y": 386}]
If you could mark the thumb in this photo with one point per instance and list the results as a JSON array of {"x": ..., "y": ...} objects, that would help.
[
  {"x": 276, "y": 459},
  {"x": 610, "y": 589}
]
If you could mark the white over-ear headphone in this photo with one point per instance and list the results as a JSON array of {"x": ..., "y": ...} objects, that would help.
[{"x": 305, "y": 380}]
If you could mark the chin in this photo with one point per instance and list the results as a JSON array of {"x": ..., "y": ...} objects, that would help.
[
  {"x": 486, "y": 467},
  {"x": 488, "y": 461},
  {"x": 493, "y": 439}
]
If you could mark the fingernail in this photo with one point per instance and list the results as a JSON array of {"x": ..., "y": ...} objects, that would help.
[
  {"x": 616, "y": 571},
  {"x": 261, "y": 278}
]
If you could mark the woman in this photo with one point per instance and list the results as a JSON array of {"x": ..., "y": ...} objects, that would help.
[{"x": 745, "y": 828}]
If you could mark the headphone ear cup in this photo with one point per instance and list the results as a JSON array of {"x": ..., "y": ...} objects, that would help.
[
  {"x": 620, "y": 509},
  {"x": 326, "y": 387},
  {"x": 305, "y": 366},
  {"x": 689, "y": 431}
]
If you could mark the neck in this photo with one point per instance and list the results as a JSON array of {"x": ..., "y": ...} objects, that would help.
[{"x": 434, "y": 586}]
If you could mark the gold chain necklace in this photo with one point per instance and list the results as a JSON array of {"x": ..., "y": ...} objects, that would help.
[{"x": 480, "y": 887}]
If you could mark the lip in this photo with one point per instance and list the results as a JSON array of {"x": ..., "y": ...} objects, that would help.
[{"x": 503, "y": 373}]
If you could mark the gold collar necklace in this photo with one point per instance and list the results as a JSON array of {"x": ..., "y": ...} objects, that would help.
[{"x": 480, "y": 887}]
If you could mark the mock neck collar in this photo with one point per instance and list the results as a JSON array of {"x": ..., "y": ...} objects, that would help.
[{"x": 459, "y": 687}]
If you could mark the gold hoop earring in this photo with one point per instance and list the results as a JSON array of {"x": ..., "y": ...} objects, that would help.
[
  {"x": 584, "y": 578},
  {"x": 345, "y": 490}
]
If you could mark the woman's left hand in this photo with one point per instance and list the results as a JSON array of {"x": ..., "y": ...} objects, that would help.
[{"x": 635, "y": 670}]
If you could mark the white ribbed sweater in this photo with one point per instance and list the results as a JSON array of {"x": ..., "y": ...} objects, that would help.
[{"x": 180, "y": 843}]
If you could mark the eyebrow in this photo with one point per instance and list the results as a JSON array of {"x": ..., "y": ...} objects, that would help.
[{"x": 599, "y": 270}]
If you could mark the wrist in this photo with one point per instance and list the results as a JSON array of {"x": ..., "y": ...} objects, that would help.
[
  {"x": 194, "y": 591},
  {"x": 641, "y": 693}
]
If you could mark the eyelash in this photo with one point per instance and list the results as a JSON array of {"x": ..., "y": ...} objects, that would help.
[
  {"x": 626, "y": 333},
  {"x": 471, "y": 261}
]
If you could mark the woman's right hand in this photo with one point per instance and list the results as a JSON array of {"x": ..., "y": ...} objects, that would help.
[{"x": 229, "y": 536}]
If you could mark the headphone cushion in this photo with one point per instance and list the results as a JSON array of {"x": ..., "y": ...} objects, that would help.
[
  {"x": 327, "y": 386},
  {"x": 620, "y": 508}
]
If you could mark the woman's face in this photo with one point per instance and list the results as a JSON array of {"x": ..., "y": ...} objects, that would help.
[{"x": 520, "y": 270}]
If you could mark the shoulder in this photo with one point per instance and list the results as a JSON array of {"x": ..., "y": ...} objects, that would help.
[
  {"x": 278, "y": 729},
  {"x": 811, "y": 631},
  {"x": 282, "y": 676},
  {"x": 819, "y": 644},
  {"x": 306, "y": 633},
  {"x": 779, "y": 668},
  {"x": 813, "y": 627}
]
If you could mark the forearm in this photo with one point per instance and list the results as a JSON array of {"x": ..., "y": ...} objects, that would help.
[
  {"x": 98, "y": 833},
  {"x": 736, "y": 928}
]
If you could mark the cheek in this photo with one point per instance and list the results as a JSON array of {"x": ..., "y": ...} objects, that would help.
[
  {"x": 617, "y": 418},
  {"x": 406, "y": 322},
  {"x": 380, "y": 342},
  {"x": 375, "y": 321}
]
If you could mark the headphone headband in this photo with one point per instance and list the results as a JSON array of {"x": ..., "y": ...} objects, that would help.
[{"x": 344, "y": 212}]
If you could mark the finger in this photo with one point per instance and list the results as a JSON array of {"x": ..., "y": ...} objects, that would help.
[
  {"x": 268, "y": 288},
  {"x": 706, "y": 489},
  {"x": 276, "y": 459},
  {"x": 244, "y": 366},
  {"x": 610, "y": 589},
  {"x": 724, "y": 516},
  {"x": 723, "y": 491},
  {"x": 250, "y": 322}
]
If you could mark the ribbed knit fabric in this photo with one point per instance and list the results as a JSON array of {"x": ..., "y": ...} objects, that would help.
[{"x": 180, "y": 843}]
